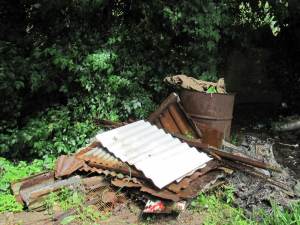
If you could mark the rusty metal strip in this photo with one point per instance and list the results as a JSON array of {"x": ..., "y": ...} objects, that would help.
[
  {"x": 110, "y": 124},
  {"x": 172, "y": 98},
  {"x": 163, "y": 193},
  {"x": 250, "y": 170},
  {"x": 168, "y": 123},
  {"x": 157, "y": 123},
  {"x": 185, "y": 182},
  {"x": 102, "y": 160},
  {"x": 104, "y": 172},
  {"x": 128, "y": 170},
  {"x": 171, "y": 116},
  {"x": 28, "y": 182},
  {"x": 88, "y": 148},
  {"x": 66, "y": 165},
  {"x": 201, "y": 184},
  {"x": 180, "y": 120}
]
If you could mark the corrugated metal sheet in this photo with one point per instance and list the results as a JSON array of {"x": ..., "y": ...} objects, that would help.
[
  {"x": 99, "y": 160},
  {"x": 161, "y": 157},
  {"x": 173, "y": 119}
]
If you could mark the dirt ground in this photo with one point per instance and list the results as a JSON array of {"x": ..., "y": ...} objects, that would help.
[{"x": 123, "y": 216}]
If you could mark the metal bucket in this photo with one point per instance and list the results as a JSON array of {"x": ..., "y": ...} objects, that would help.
[{"x": 209, "y": 110}]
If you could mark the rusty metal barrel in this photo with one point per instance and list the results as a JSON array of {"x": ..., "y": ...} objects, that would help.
[{"x": 209, "y": 110}]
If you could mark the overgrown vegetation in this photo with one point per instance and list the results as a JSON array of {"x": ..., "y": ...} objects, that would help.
[
  {"x": 218, "y": 208},
  {"x": 65, "y": 64},
  {"x": 10, "y": 172},
  {"x": 68, "y": 199}
]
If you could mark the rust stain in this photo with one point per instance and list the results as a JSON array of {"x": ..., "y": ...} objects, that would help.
[
  {"x": 168, "y": 123},
  {"x": 87, "y": 148},
  {"x": 66, "y": 165},
  {"x": 171, "y": 117},
  {"x": 211, "y": 136},
  {"x": 187, "y": 188},
  {"x": 180, "y": 120},
  {"x": 201, "y": 184},
  {"x": 103, "y": 161},
  {"x": 128, "y": 170},
  {"x": 185, "y": 182},
  {"x": 165, "y": 194},
  {"x": 28, "y": 182}
]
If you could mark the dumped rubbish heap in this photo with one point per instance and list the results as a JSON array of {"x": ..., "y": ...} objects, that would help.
[{"x": 165, "y": 160}]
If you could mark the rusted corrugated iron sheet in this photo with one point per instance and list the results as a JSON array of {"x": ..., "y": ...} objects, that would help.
[
  {"x": 33, "y": 190},
  {"x": 99, "y": 160},
  {"x": 44, "y": 177},
  {"x": 185, "y": 182},
  {"x": 66, "y": 165},
  {"x": 153, "y": 152},
  {"x": 163, "y": 193},
  {"x": 185, "y": 189},
  {"x": 202, "y": 183},
  {"x": 33, "y": 193},
  {"x": 171, "y": 117}
]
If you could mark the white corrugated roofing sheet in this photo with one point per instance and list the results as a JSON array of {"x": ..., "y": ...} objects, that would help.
[{"x": 161, "y": 157}]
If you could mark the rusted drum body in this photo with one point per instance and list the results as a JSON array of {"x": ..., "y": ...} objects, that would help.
[{"x": 209, "y": 110}]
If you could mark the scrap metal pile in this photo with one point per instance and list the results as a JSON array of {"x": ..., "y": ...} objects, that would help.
[{"x": 167, "y": 157}]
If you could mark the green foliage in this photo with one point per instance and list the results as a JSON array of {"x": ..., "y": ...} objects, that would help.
[
  {"x": 55, "y": 88},
  {"x": 219, "y": 212},
  {"x": 234, "y": 139},
  {"x": 50, "y": 133},
  {"x": 10, "y": 172},
  {"x": 66, "y": 64},
  {"x": 262, "y": 14},
  {"x": 9, "y": 203},
  {"x": 218, "y": 208},
  {"x": 211, "y": 90},
  {"x": 281, "y": 216},
  {"x": 67, "y": 199}
]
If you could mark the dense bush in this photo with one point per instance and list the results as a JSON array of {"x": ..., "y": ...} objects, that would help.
[
  {"x": 85, "y": 60},
  {"x": 66, "y": 63}
]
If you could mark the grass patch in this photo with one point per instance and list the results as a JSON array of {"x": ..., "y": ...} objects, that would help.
[
  {"x": 67, "y": 199},
  {"x": 280, "y": 216},
  {"x": 218, "y": 209},
  {"x": 10, "y": 172}
]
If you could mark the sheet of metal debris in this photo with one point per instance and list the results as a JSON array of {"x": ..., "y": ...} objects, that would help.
[
  {"x": 45, "y": 177},
  {"x": 171, "y": 117},
  {"x": 33, "y": 190},
  {"x": 153, "y": 152},
  {"x": 66, "y": 165},
  {"x": 98, "y": 159},
  {"x": 202, "y": 183},
  {"x": 187, "y": 188}
]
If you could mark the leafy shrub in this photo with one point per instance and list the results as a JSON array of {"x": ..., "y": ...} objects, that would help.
[
  {"x": 67, "y": 63},
  {"x": 10, "y": 172}
]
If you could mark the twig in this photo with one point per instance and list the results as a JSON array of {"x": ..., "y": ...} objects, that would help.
[{"x": 290, "y": 145}]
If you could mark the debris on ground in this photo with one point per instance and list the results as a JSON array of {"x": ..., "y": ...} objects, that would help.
[
  {"x": 291, "y": 123},
  {"x": 251, "y": 192},
  {"x": 163, "y": 163}
]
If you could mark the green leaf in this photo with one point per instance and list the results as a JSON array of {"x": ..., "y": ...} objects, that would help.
[{"x": 68, "y": 219}]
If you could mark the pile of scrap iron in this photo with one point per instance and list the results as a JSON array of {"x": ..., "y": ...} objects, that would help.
[{"x": 164, "y": 157}]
